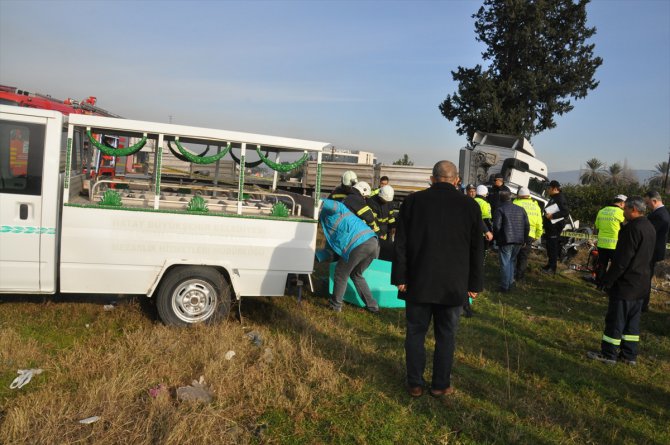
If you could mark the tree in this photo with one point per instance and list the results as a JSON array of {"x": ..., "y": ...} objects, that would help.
[
  {"x": 403, "y": 161},
  {"x": 615, "y": 172},
  {"x": 660, "y": 170},
  {"x": 539, "y": 61},
  {"x": 594, "y": 174}
]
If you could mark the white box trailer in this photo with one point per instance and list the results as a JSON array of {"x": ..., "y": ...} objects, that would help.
[{"x": 192, "y": 249}]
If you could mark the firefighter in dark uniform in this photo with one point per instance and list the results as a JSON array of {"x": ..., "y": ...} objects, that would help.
[
  {"x": 627, "y": 283},
  {"x": 355, "y": 202},
  {"x": 343, "y": 190},
  {"x": 382, "y": 206}
]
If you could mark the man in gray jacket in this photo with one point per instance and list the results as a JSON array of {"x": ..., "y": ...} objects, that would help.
[{"x": 510, "y": 227}]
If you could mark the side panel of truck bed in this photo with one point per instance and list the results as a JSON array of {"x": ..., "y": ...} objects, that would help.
[{"x": 124, "y": 251}]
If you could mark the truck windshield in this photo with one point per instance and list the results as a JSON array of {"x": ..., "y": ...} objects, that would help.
[{"x": 537, "y": 185}]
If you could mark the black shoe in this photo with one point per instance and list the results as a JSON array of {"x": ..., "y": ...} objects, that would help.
[
  {"x": 598, "y": 356},
  {"x": 503, "y": 290}
]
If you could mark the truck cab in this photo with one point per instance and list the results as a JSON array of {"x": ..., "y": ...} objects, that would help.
[{"x": 512, "y": 156}]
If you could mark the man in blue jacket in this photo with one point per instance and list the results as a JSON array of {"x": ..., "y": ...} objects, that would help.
[
  {"x": 351, "y": 238},
  {"x": 510, "y": 229}
]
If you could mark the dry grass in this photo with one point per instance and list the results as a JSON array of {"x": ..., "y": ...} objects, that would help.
[{"x": 328, "y": 378}]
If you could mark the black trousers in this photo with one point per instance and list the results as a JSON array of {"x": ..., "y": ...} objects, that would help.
[
  {"x": 445, "y": 323},
  {"x": 645, "y": 303},
  {"x": 553, "y": 247},
  {"x": 622, "y": 329},
  {"x": 605, "y": 256}
]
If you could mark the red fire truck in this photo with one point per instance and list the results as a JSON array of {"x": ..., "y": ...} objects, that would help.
[{"x": 101, "y": 165}]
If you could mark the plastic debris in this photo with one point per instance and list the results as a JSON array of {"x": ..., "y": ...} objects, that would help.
[
  {"x": 88, "y": 420},
  {"x": 198, "y": 391},
  {"x": 229, "y": 355},
  {"x": 108, "y": 307},
  {"x": 255, "y": 338},
  {"x": 25, "y": 375},
  {"x": 528, "y": 307},
  {"x": 156, "y": 391},
  {"x": 267, "y": 356}
]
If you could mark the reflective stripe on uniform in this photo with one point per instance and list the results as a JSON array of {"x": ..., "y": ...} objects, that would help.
[
  {"x": 630, "y": 337},
  {"x": 363, "y": 210},
  {"x": 338, "y": 196},
  {"x": 612, "y": 341}
]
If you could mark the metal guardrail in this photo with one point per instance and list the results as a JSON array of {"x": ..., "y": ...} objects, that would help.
[{"x": 586, "y": 236}]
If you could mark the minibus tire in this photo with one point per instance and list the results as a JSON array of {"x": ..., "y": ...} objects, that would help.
[{"x": 193, "y": 294}]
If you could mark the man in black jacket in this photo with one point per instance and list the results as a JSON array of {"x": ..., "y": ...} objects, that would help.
[
  {"x": 494, "y": 196},
  {"x": 660, "y": 219},
  {"x": 555, "y": 215},
  {"x": 437, "y": 264},
  {"x": 627, "y": 282},
  {"x": 510, "y": 229}
]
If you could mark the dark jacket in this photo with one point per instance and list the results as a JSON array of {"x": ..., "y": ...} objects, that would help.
[
  {"x": 438, "y": 250},
  {"x": 494, "y": 197},
  {"x": 628, "y": 277},
  {"x": 382, "y": 213},
  {"x": 660, "y": 219},
  {"x": 510, "y": 224},
  {"x": 563, "y": 212},
  {"x": 339, "y": 193},
  {"x": 356, "y": 203}
]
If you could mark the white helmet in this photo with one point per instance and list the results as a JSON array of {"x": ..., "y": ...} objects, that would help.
[
  {"x": 363, "y": 187},
  {"x": 349, "y": 178},
  {"x": 482, "y": 190},
  {"x": 523, "y": 191},
  {"x": 386, "y": 193}
]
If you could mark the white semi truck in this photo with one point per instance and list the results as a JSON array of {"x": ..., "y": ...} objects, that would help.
[
  {"x": 191, "y": 248},
  {"x": 512, "y": 156}
]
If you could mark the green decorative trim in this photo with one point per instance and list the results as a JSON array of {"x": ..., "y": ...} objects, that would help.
[
  {"x": 110, "y": 198},
  {"x": 281, "y": 167},
  {"x": 201, "y": 160},
  {"x": 28, "y": 230},
  {"x": 317, "y": 188},
  {"x": 280, "y": 210},
  {"x": 248, "y": 164},
  {"x": 183, "y": 212},
  {"x": 197, "y": 204},
  {"x": 240, "y": 184},
  {"x": 159, "y": 163},
  {"x": 182, "y": 157},
  {"x": 68, "y": 167},
  {"x": 111, "y": 151}
]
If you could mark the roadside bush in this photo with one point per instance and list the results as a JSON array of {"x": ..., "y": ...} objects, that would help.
[{"x": 586, "y": 200}]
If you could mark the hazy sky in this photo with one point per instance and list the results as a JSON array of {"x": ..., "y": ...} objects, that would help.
[{"x": 361, "y": 75}]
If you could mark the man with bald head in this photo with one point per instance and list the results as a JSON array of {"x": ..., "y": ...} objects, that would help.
[{"x": 437, "y": 265}]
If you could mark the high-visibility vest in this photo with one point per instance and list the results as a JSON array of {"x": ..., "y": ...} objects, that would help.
[
  {"x": 534, "y": 213},
  {"x": 608, "y": 224},
  {"x": 485, "y": 206}
]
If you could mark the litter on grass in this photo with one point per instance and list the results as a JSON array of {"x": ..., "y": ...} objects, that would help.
[
  {"x": 197, "y": 391},
  {"x": 88, "y": 420},
  {"x": 25, "y": 376}
]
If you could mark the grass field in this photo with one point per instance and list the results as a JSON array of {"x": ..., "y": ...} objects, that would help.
[{"x": 320, "y": 378}]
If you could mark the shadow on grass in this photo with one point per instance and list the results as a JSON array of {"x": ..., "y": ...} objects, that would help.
[{"x": 146, "y": 305}]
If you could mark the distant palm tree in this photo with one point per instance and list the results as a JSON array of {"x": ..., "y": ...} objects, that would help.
[
  {"x": 656, "y": 181},
  {"x": 615, "y": 172},
  {"x": 594, "y": 173}
]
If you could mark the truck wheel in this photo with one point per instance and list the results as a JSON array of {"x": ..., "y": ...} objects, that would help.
[{"x": 193, "y": 294}]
